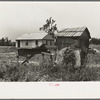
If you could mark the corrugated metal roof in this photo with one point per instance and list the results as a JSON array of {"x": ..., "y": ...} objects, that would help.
[
  {"x": 75, "y": 29},
  {"x": 32, "y": 36},
  {"x": 71, "y": 32}
]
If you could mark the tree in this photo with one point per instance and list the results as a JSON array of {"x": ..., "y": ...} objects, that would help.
[
  {"x": 95, "y": 41},
  {"x": 5, "y": 42},
  {"x": 50, "y": 27},
  {"x": 2, "y": 41}
]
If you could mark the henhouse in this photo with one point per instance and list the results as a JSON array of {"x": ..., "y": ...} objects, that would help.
[
  {"x": 74, "y": 37},
  {"x": 77, "y": 39}
]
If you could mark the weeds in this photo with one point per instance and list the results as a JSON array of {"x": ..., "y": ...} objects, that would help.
[{"x": 45, "y": 71}]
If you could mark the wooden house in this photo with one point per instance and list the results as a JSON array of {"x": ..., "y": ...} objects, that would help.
[
  {"x": 34, "y": 43},
  {"x": 76, "y": 38}
]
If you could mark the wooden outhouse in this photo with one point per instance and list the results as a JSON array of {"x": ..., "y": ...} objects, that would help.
[{"x": 76, "y": 38}]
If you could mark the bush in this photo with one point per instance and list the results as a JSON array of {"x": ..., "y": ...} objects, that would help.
[
  {"x": 67, "y": 71},
  {"x": 69, "y": 58}
]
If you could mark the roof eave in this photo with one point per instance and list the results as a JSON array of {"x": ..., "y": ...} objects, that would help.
[
  {"x": 69, "y": 36},
  {"x": 28, "y": 39}
]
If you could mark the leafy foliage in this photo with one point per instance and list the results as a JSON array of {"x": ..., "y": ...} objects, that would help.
[
  {"x": 69, "y": 57},
  {"x": 95, "y": 41},
  {"x": 49, "y": 27},
  {"x": 6, "y": 42}
]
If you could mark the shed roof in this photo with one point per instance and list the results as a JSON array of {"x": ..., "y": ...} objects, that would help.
[
  {"x": 32, "y": 36},
  {"x": 72, "y": 32}
]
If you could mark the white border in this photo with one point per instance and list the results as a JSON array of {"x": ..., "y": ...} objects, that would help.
[{"x": 41, "y": 90}]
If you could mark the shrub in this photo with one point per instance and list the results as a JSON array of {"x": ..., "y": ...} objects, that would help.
[
  {"x": 69, "y": 58},
  {"x": 67, "y": 71}
]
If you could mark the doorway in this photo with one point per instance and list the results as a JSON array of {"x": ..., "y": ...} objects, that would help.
[{"x": 18, "y": 43}]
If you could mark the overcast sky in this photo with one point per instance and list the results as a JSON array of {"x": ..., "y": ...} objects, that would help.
[{"x": 17, "y": 18}]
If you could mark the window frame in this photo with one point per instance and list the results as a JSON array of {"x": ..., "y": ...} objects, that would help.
[
  {"x": 36, "y": 42},
  {"x": 26, "y": 43}
]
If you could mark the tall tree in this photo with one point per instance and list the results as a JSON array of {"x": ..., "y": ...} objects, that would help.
[
  {"x": 2, "y": 41},
  {"x": 5, "y": 41},
  {"x": 50, "y": 27}
]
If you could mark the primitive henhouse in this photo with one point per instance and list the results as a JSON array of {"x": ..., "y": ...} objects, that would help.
[{"x": 76, "y": 38}]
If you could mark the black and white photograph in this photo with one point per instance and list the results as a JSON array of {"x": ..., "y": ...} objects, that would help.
[{"x": 49, "y": 41}]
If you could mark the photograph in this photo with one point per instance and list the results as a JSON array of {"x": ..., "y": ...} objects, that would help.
[{"x": 49, "y": 41}]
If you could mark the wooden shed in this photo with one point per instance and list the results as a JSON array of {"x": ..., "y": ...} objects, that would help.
[{"x": 76, "y": 38}]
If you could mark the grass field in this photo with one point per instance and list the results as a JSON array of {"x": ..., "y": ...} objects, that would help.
[
  {"x": 94, "y": 59},
  {"x": 39, "y": 70},
  {"x": 95, "y": 46}
]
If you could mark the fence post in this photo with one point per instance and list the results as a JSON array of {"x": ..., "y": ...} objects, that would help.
[{"x": 78, "y": 57}]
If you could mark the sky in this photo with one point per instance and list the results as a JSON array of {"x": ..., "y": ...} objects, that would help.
[{"x": 17, "y": 18}]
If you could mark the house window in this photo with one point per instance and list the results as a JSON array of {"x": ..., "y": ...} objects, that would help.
[
  {"x": 18, "y": 43},
  {"x": 36, "y": 42},
  {"x": 26, "y": 43}
]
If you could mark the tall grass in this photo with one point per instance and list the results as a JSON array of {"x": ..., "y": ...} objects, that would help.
[{"x": 46, "y": 71}]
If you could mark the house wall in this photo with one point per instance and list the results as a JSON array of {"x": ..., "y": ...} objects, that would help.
[
  {"x": 48, "y": 42},
  {"x": 34, "y": 43},
  {"x": 31, "y": 43},
  {"x": 23, "y": 44},
  {"x": 16, "y": 43}
]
